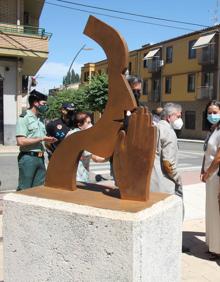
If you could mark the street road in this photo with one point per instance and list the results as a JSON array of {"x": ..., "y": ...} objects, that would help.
[{"x": 190, "y": 159}]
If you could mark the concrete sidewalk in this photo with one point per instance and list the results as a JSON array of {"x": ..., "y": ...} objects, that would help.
[
  {"x": 196, "y": 266},
  {"x": 8, "y": 149}
]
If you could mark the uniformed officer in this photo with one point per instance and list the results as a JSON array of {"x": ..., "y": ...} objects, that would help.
[
  {"x": 59, "y": 128},
  {"x": 30, "y": 135}
]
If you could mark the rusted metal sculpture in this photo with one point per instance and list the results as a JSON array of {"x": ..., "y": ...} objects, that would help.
[
  {"x": 134, "y": 156},
  {"x": 137, "y": 148}
]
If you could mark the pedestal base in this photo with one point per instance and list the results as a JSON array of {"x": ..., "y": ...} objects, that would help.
[{"x": 51, "y": 240}]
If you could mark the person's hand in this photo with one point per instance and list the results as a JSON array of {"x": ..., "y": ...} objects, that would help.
[
  {"x": 205, "y": 176},
  {"x": 201, "y": 176},
  {"x": 134, "y": 156},
  {"x": 49, "y": 139}
]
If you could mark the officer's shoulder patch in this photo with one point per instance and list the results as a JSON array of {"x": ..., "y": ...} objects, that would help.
[
  {"x": 59, "y": 126},
  {"x": 23, "y": 114}
]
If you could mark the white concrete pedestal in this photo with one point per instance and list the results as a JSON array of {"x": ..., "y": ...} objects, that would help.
[{"x": 50, "y": 240}]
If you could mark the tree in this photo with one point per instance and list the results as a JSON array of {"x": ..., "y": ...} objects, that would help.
[
  {"x": 75, "y": 96},
  {"x": 91, "y": 97},
  {"x": 71, "y": 77},
  {"x": 96, "y": 92}
]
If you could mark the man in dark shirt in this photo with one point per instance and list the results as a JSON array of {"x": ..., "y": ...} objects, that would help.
[{"x": 59, "y": 128}]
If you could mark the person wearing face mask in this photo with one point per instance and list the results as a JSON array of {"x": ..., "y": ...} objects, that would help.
[
  {"x": 83, "y": 121},
  {"x": 59, "y": 127},
  {"x": 166, "y": 177},
  {"x": 210, "y": 175},
  {"x": 135, "y": 83},
  {"x": 30, "y": 135}
]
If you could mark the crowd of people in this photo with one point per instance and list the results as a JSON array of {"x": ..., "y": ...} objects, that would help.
[{"x": 32, "y": 134}]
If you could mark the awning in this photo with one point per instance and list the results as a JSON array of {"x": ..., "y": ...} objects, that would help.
[
  {"x": 151, "y": 54},
  {"x": 203, "y": 41}
]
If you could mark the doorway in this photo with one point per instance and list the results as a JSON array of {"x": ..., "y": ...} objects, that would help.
[{"x": 1, "y": 113}]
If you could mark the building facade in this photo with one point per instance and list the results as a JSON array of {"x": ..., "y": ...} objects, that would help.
[
  {"x": 23, "y": 50},
  {"x": 185, "y": 70}
]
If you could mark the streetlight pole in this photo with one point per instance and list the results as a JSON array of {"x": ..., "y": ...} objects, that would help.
[{"x": 77, "y": 54}]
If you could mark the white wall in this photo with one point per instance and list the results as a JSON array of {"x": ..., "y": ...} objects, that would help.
[
  {"x": 10, "y": 107},
  {"x": 9, "y": 70}
]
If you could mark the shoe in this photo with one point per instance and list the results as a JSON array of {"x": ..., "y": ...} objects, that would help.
[
  {"x": 214, "y": 257},
  {"x": 185, "y": 249}
]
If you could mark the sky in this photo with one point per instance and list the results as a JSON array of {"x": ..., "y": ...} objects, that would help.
[{"x": 67, "y": 27}]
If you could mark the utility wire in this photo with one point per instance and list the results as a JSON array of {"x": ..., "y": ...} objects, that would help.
[
  {"x": 131, "y": 14},
  {"x": 116, "y": 17}
]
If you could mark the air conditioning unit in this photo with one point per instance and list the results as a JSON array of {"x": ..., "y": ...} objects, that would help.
[{"x": 161, "y": 63}]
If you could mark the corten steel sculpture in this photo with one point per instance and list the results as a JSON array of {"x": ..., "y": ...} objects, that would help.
[
  {"x": 103, "y": 136},
  {"x": 134, "y": 156}
]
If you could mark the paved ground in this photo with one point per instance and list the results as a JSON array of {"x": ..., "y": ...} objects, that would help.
[{"x": 196, "y": 266}]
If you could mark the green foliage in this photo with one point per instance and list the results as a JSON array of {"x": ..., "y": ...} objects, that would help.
[
  {"x": 75, "y": 96},
  {"x": 71, "y": 77},
  {"x": 91, "y": 97},
  {"x": 96, "y": 92}
]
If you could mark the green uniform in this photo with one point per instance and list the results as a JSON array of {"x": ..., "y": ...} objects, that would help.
[{"x": 30, "y": 159}]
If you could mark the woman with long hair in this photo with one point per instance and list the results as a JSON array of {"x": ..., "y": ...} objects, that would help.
[{"x": 209, "y": 175}]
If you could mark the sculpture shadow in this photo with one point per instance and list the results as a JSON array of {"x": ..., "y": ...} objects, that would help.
[
  {"x": 99, "y": 188},
  {"x": 198, "y": 247}
]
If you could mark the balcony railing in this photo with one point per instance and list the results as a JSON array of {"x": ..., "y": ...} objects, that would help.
[
  {"x": 24, "y": 29},
  {"x": 154, "y": 65},
  {"x": 205, "y": 92},
  {"x": 206, "y": 56},
  {"x": 155, "y": 96}
]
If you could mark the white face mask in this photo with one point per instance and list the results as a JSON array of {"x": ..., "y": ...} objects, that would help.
[{"x": 177, "y": 124}]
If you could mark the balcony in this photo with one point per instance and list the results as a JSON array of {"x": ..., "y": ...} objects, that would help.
[
  {"x": 205, "y": 92},
  {"x": 154, "y": 65},
  {"x": 155, "y": 96},
  {"x": 26, "y": 42},
  {"x": 207, "y": 56}
]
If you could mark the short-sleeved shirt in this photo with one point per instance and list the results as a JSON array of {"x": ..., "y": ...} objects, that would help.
[{"x": 31, "y": 126}]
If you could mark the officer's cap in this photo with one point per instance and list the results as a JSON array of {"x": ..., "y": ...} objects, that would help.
[
  {"x": 37, "y": 96},
  {"x": 68, "y": 106}
]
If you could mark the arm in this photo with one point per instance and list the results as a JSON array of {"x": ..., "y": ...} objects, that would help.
[
  {"x": 202, "y": 169},
  {"x": 98, "y": 159},
  {"x": 213, "y": 167},
  {"x": 22, "y": 133},
  {"x": 24, "y": 141},
  {"x": 169, "y": 152}
]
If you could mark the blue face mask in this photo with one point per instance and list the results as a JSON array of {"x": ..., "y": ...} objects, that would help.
[{"x": 213, "y": 118}]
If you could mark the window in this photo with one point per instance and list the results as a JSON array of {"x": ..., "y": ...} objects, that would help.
[
  {"x": 208, "y": 79},
  {"x": 86, "y": 76},
  {"x": 26, "y": 18},
  {"x": 191, "y": 82},
  {"x": 145, "y": 62},
  {"x": 191, "y": 52},
  {"x": 190, "y": 120},
  {"x": 169, "y": 54},
  {"x": 168, "y": 81},
  {"x": 130, "y": 67},
  {"x": 145, "y": 87}
]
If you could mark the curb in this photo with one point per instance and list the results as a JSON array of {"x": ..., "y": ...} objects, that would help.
[{"x": 191, "y": 140}]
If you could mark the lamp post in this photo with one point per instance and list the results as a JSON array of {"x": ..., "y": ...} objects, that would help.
[{"x": 77, "y": 54}]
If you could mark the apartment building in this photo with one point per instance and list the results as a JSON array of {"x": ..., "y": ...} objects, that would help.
[
  {"x": 23, "y": 50},
  {"x": 185, "y": 69}
]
